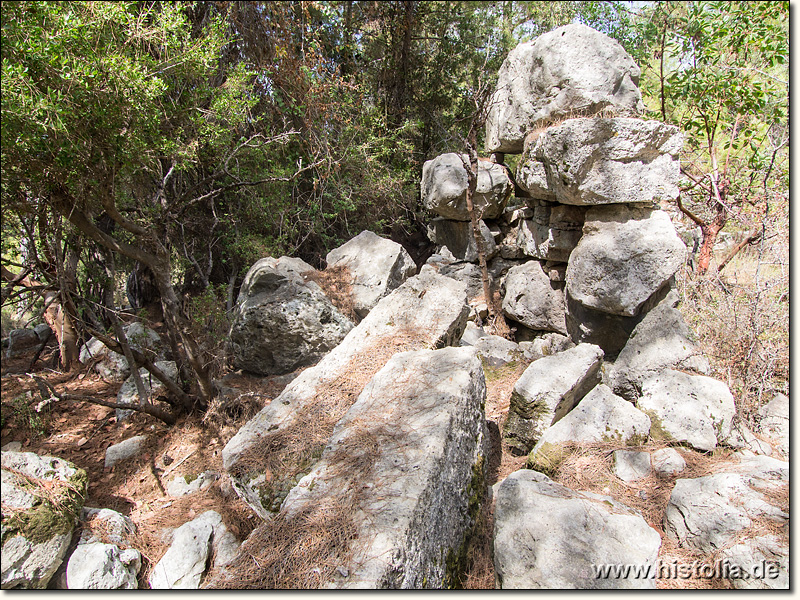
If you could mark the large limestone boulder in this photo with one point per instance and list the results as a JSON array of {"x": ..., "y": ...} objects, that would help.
[
  {"x": 458, "y": 238},
  {"x": 775, "y": 422},
  {"x": 600, "y": 417},
  {"x": 429, "y": 309},
  {"x": 465, "y": 272},
  {"x": 531, "y": 298},
  {"x": 377, "y": 267},
  {"x": 187, "y": 559},
  {"x": 625, "y": 255},
  {"x": 709, "y": 513},
  {"x": 99, "y": 566},
  {"x": 551, "y": 234},
  {"x": 548, "y": 389},
  {"x": 570, "y": 70},
  {"x": 281, "y": 321},
  {"x": 412, "y": 450},
  {"x": 690, "y": 409},
  {"x": 603, "y": 161},
  {"x": 660, "y": 341},
  {"x": 548, "y": 536},
  {"x": 444, "y": 188},
  {"x": 41, "y": 500},
  {"x": 761, "y": 563},
  {"x": 113, "y": 365}
]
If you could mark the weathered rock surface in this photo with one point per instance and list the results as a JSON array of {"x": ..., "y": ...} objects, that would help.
[
  {"x": 35, "y": 532},
  {"x": 547, "y": 536},
  {"x": 630, "y": 465},
  {"x": 377, "y": 267},
  {"x": 667, "y": 461},
  {"x": 708, "y": 513},
  {"x": 457, "y": 237},
  {"x": 660, "y": 341},
  {"x": 428, "y": 305},
  {"x": 124, "y": 450},
  {"x": 548, "y": 389},
  {"x": 765, "y": 559},
  {"x": 113, "y": 365},
  {"x": 444, "y": 188},
  {"x": 128, "y": 394},
  {"x": 530, "y": 298},
  {"x": 545, "y": 345},
  {"x": 570, "y": 70},
  {"x": 495, "y": 350},
  {"x": 417, "y": 496},
  {"x": 692, "y": 409},
  {"x": 551, "y": 232},
  {"x": 775, "y": 422},
  {"x": 600, "y": 416},
  {"x": 20, "y": 341},
  {"x": 466, "y": 272},
  {"x": 624, "y": 257},
  {"x": 186, "y": 560},
  {"x": 744, "y": 440},
  {"x": 603, "y": 161},
  {"x": 180, "y": 485},
  {"x": 281, "y": 321},
  {"x": 99, "y": 566}
]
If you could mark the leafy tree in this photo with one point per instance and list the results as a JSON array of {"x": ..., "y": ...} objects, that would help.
[{"x": 719, "y": 70}]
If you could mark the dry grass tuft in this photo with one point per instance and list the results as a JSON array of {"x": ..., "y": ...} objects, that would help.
[
  {"x": 337, "y": 283},
  {"x": 304, "y": 548}
]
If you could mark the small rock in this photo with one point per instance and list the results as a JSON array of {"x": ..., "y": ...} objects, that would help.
[
  {"x": 667, "y": 461},
  {"x": 124, "y": 450},
  {"x": 630, "y": 465}
]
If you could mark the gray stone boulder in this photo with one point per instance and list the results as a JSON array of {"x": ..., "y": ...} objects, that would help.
[
  {"x": 20, "y": 341},
  {"x": 551, "y": 234},
  {"x": 548, "y": 536},
  {"x": 377, "y": 267},
  {"x": 632, "y": 465},
  {"x": 743, "y": 439},
  {"x": 444, "y": 188},
  {"x": 660, "y": 341},
  {"x": 124, "y": 450},
  {"x": 624, "y": 257},
  {"x": 113, "y": 365},
  {"x": 570, "y": 70},
  {"x": 37, "y": 526},
  {"x": 99, "y": 566},
  {"x": 495, "y": 350},
  {"x": 531, "y": 298},
  {"x": 599, "y": 417},
  {"x": 709, "y": 513},
  {"x": 774, "y": 422},
  {"x": 186, "y": 560},
  {"x": 667, "y": 461},
  {"x": 116, "y": 528},
  {"x": 466, "y": 272},
  {"x": 429, "y": 308},
  {"x": 690, "y": 409},
  {"x": 423, "y": 475},
  {"x": 458, "y": 238},
  {"x": 181, "y": 485},
  {"x": 548, "y": 389},
  {"x": 545, "y": 345},
  {"x": 603, "y": 161},
  {"x": 282, "y": 322},
  {"x": 761, "y": 563},
  {"x": 128, "y": 394}
]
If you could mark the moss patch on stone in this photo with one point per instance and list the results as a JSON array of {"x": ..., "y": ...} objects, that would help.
[
  {"x": 456, "y": 559},
  {"x": 51, "y": 515},
  {"x": 547, "y": 458}
]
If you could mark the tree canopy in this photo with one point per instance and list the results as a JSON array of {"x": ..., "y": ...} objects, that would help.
[{"x": 189, "y": 139}]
